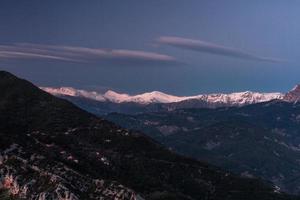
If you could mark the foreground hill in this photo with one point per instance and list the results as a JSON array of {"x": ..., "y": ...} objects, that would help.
[
  {"x": 259, "y": 140},
  {"x": 50, "y": 149}
]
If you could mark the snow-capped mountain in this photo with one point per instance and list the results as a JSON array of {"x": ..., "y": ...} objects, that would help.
[
  {"x": 69, "y": 91},
  {"x": 239, "y": 98},
  {"x": 293, "y": 95},
  {"x": 145, "y": 98}
]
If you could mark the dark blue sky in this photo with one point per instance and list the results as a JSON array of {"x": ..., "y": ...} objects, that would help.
[{"x": 140, "y": 45}]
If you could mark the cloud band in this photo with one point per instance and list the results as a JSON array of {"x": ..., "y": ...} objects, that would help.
[
  {"x": 79, "y": 54},
  {"x": 211, "y": 48}
]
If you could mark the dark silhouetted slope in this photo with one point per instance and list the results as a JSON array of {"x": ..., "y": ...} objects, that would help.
[{"x": 50, "y": 149}]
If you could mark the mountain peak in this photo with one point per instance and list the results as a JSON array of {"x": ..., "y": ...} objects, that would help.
[
  {"x": 296, "y": 88},
  {"x": 115, "y": 97},
  {"x": 6, "y": 74},
  {"x": 61, "y": 90},
  {"x": 293, "y": 95},
  {"x": 32, "y": 106},
  {"x": 2, "y": 72}
]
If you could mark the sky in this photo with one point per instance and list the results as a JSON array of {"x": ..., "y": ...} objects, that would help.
[{"x": 181, "y": 47}]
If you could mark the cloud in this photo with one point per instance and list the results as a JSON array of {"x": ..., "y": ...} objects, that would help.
[
  {"x": 211, "y": 48},
  {"x": 79, "y": 54}
]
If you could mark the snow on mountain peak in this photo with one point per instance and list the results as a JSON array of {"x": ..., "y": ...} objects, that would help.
[
  {"x": 293, "y": 95},
  {"x": 296, "y": 88},
  {"x": 238, "y": 98},
  {"x": 115, "y": 97},
  {"x": 69, "y": 91},
  {"x": 145, "y": 98},
  {"x": 156, "y": 97}
]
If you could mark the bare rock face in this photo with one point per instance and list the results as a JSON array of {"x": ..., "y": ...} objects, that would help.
[{"x": 293, "y": 95}]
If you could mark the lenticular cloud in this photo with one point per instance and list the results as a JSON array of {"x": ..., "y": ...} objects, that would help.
[
  {"x": 79, "y": 54},
  {"x": 211, "y": 48}
]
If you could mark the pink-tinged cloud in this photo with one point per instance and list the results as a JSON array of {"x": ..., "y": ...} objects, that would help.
[
  {"x": 129, "y": 54},
  {"x": 79, "y": 54},
  {"x": 211, "y": 48},
  {"x": 24, "y": 55}
]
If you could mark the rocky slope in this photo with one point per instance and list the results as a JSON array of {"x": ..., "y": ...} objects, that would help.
[{"x": 50, "y": 149}]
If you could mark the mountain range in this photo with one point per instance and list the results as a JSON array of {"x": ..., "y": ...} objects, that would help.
[
  {"x": 190, "y": 126},
  {"x": 238, "y": 98},
  {"x": 51, "y": 149},
  {"x": 101, "y": 104}
]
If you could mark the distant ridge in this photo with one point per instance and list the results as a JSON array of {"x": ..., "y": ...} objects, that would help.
[{"x": 238, "y": 98}]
